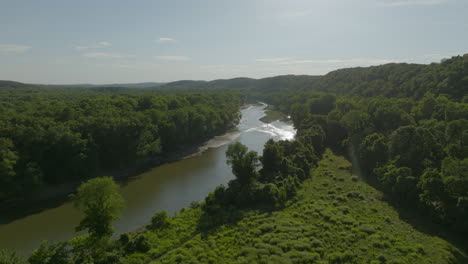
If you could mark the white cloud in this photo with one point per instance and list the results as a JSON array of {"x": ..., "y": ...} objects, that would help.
[
  {"x": 13, "y": 49},
  {"x": 106, "y": 55},
  {"x": 397, "y": 3},
  {"x": 166, "y": 39},
  {"x": 104, "y": 44},
  {"x": 99, "y": 45},
  {"x": 172, "y": 58}
]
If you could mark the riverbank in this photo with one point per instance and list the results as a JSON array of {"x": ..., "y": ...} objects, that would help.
[
  {"x": 170, "y": 186},
  {"x": 272, "y": 115},
  {"x": 52, "y": 196},
  {"x": 333, "y": 218}
]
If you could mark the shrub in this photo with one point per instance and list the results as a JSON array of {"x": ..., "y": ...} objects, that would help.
[
  {"x": 10, "y": 257},
  {"x": 160, "y": 220}
]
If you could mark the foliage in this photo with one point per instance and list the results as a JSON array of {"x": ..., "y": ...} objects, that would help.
[
  {"x": 11, "y": 257},
  {"x": 320, "y": 226},
  {"x": 57, "y": 253},
  {"x": 160, "y": 220},
  {"x": 50, "y": 136},
  {"x": 101, "y": 202},
  {"x": 244, "y": 163}
]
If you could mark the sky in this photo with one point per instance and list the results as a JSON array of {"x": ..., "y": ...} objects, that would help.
[{"x": 123, "y": 41}]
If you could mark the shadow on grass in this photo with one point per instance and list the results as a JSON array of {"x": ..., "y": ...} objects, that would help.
[
  {"x": 426, "y": 223},
  {"x": 423, "y": 223},
  {"x": 210, "y": 222}
]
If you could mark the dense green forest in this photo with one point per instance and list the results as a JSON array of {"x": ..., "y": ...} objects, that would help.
[
  {"x": 50, "y": 136},
  {"x": 403, "y": 129}
]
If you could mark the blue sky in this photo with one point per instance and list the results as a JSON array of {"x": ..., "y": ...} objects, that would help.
[{"x": 103, "y": 41}]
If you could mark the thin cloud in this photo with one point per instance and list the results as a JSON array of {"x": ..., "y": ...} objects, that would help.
[
  {"x": 398, "y": 3},
  {"x": 166, "y": 39},
  {"x": 172, "y": 58},
  {"x": 104, "y": 44},
  {"x": 106, "y": 55},
  {"x": 357, "y": 61},
  {"x": 272, "y": 59},
  {"x": 99, "y": 45},
  {"x": 342, "y": 62},
  {"x": 13, "y": 49},
  {"x": 82, "y": 47}
]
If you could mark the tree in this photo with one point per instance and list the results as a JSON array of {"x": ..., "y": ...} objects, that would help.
[
  {"x": 313, "y": 136},
  {"x": 299, "y": 113},
  {"x": 244, "y": 163},
  {"x": 389, "y": 117},
  {"x": 101, "y": 202},
  {"x": 11, "y": 257},
  {"x": 8, "y": 160},
  {"x": 355, "y": 121},
  {"x": 56, "y": 253},
  {"x": 160, "y": 220},
  {"x": 271, "y": 160},
  {"x": 414, "y": 147},
  {"x": 431, "y": 186},
  {"x": 372, "y": 151}
]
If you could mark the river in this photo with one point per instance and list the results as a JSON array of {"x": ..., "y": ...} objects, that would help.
[{"x": 168, "y": 187}]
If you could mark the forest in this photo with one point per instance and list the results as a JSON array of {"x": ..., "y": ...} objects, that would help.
[
  {"x": 51, "y": 136},
  {"x": 371, "y": 143}
]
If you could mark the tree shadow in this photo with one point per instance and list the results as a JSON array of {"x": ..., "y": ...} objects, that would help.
[
  {"x": 419, "y": 219},
  {"x": 209, "y": 223},
  {"x": 424, "y": 223}
]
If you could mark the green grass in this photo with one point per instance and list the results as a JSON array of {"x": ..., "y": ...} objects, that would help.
[
  {"x": 273, "y": 115},
  {"x": 333, "y": 219}
]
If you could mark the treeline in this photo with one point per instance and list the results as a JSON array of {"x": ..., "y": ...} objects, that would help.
[
  {"x": 57, "y": 136},
  {"x": 449, "y": 77},
  {"x": 268, "y": 180},
  {"x": 401, "y": 80}
]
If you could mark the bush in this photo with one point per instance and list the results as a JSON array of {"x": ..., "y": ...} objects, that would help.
[
  {"x": 341, "y": 258},
  {"x": 10, "y": 257},
  {"x": 160, "y": 220},
  {"x": 50, "y": 254}
]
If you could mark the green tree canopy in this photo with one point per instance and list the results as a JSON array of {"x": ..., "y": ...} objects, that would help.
[
  {"x": 101, "y": 202},
  {"x": 244, "y": 163}
]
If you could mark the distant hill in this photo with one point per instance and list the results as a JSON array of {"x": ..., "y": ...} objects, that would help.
[
  {"x": 270, "y": 84},
  {"x": 390, "y": 80},
  {"x": 125, "y": 85},
  {"x": 12, "y": 84}
]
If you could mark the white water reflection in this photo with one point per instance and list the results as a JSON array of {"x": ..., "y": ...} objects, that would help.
[{"x": 276, "y": 130}]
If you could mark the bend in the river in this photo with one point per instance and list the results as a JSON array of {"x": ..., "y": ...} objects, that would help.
[{"x": 168, "y": 187}]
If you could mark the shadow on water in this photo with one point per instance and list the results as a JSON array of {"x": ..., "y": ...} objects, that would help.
[
  {"x": 13, "y": 213},
  {"x": 32, "y": 205}
]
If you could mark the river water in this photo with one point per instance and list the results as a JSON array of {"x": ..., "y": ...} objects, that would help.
[{"x": 168, "y": 187}]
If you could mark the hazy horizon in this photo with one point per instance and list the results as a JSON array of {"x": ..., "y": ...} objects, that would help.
[
  {"x": 111, "y": 42},
  {"x": 209, "y": 80}
]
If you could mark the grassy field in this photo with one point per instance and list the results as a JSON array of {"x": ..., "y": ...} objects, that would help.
[
  {"x": 273, "y": 115},
  {"x": 334, "y": 219}
]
